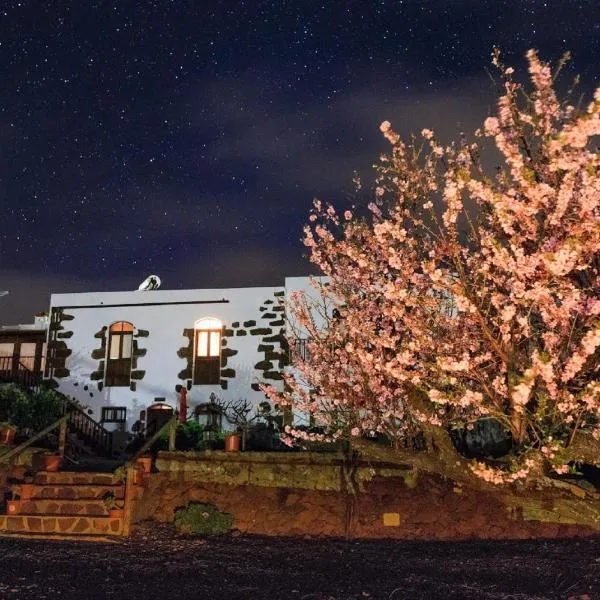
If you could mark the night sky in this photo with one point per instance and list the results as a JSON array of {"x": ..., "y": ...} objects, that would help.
[{"x": 188, "y": 139}]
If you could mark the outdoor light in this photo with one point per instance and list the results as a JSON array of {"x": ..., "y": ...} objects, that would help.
[{"x": 210, "y": 415}]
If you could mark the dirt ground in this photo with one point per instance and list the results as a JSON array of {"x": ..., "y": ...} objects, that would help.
[{"x": 157, "y": 563}]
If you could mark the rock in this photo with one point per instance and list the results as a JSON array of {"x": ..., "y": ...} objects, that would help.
[{"x": 487, "y": 438}]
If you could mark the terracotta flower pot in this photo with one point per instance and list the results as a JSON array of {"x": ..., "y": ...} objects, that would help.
[
  {"x": 18, "y": 472},
  {"x": 232, "y": 442},
  {"x": 7, "y": 435},
  {"x": 26, "y": 491},
  {"x": 13, "y": 507},
  {"x": 138, "y": 477},
  {"x": 51, "y": 462},
  {"x": 146, "y": 463}
]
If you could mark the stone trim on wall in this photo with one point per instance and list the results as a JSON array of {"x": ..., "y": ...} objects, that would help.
[
  {"x": 136, "y": 354},
  {"x": 187, "y": 353},
  {"x": 99, "y": 354},
  {"x": 58, "y": 351},
  {"x": 274, "y": 344}
]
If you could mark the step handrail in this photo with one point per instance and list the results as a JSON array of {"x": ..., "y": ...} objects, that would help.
[
  {"x": 80, "y": 421},
  {"x": 20, "y": 375},
  {"x": 170, "y": 425},
  {"x": 130, "y": 466},
  {"x": 18, "y": 449}
]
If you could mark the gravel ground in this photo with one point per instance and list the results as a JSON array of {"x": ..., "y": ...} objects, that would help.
[{"x": 157, "y": 563}]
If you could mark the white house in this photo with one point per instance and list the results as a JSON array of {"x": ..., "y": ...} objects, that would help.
[{"x": 128, "y": 349}]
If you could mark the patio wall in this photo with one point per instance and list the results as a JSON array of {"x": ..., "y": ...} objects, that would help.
[{"x": 305, "y": 494}]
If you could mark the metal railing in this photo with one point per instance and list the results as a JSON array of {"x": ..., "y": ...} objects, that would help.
[
  {"x": 60, "y": 423},
  {"x": 73, "y": 418},
  {"x": 84, "y": 426},
  {"x": 12, "y": 370},
  {"x": 299, "y": 349}
]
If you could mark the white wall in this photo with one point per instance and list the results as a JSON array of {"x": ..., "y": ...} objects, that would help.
[
  {"x": 308, "y": 287},
  {"x": 165, "y": 322}
]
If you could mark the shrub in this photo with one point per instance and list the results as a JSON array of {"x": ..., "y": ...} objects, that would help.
[
  {"x": 10, "y": 395},
  {"x": 34, "y": 411},
  {"x": 187, "y": 437},
  {"x": 202, "y": 519},
  {"x": 29, "y": 411}
]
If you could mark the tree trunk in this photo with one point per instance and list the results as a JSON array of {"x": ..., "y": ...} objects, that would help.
[
  {"x": 584, "y": 448},
  {"x": 517, "y": 427}
]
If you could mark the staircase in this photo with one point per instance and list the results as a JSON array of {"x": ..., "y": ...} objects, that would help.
[
  {"x": 70, "y": 504},
  {"x": 90, "y": 433},
  {"x": 64, "y": 505}
]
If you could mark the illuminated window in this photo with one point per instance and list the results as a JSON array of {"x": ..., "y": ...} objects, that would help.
[
  {"x": 44, "y": 353},
  {"x": 207, "y": 351},
  {"x": 6, "y": 356},
  {"x": 27, "y": 356},
  {"x": 118, "y": 363}
]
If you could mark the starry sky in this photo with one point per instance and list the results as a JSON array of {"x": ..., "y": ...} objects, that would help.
[{"x": 188, "y": 139}]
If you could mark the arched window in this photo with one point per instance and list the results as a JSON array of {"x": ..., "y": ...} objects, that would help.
[
  {"x": 207, "y": 351},
  {"x": 118, "y": 360}
]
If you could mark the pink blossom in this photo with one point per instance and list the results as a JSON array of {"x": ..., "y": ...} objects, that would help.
[
  {"x": 491, "y": 126},
  {"x": 490, "y": 310}
]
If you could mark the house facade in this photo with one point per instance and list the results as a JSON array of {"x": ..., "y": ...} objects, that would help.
[
  {"x": 23, "y": 351},
  {"x": 128, "y": 350}
]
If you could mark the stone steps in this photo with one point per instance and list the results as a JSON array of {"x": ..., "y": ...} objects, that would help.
[
  {"x": 75, "y": 478},
  {"x": 74, "y": 492},
  {"x": 108, "y": 539},
  {"x": 57, "y": 506},
  {"x": 58, "y": 524},
  {"x": 64, "y": 504}
]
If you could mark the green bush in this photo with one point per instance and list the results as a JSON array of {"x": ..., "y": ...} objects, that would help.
[
  {"x": 10, "y": 396},
  {"x": 187, "y": 437},
  {"x": 29, "y": 411},
  {"x": 202, "y": 519}
]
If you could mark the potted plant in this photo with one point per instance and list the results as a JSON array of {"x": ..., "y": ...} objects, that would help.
[
  {"x": 232, "y": 441},
  {"x": 113, "y": 506},
  {"x": 120, "y": 474},
  {"x": 7, "y": 433},
  {"x": 145, "y": 462},
  {"x": 50, "y": 461},
  {"x": 238, "y": 414}
]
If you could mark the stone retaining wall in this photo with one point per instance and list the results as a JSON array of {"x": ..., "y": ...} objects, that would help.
[{"x": 305, "y": 494}]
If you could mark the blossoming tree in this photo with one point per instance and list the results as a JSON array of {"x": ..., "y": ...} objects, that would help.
[{"x": 463, "y": 295}]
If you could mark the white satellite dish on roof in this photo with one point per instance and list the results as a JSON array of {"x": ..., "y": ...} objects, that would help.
[{"x": 152, "y": 282}]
